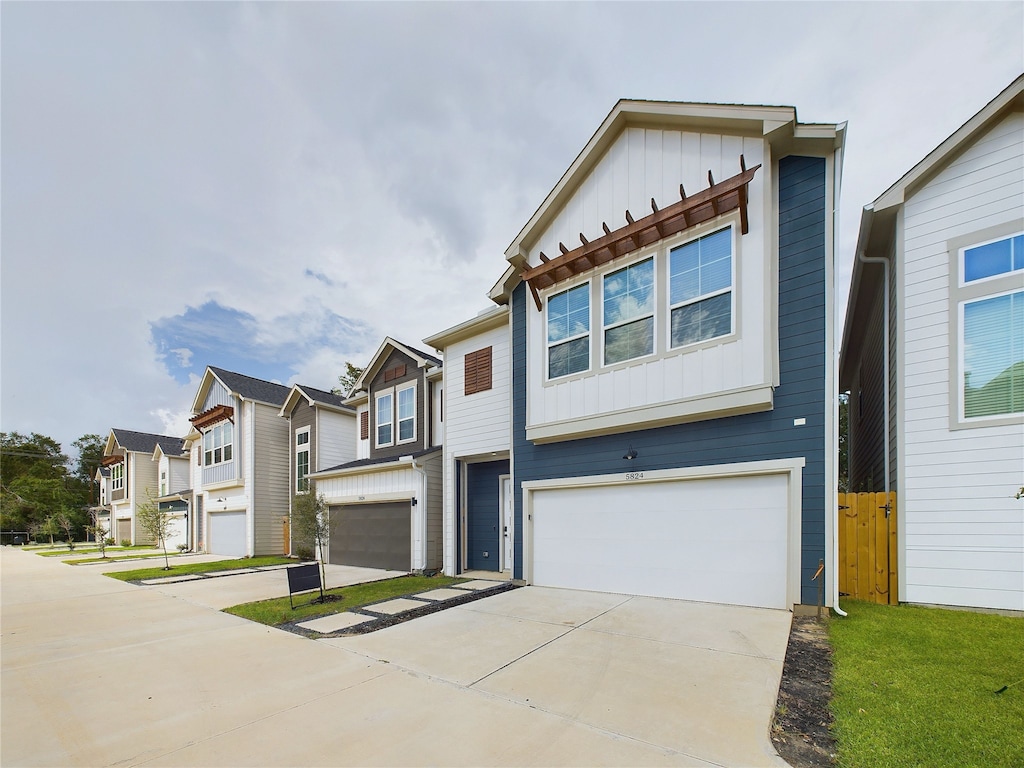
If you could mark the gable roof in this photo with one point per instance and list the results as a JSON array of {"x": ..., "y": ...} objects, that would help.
[
  {"x": 314, "y": 397},
  {"x": 143, "y": 442},
  {"x": 878, "y": 218},
  {"x": 777, "y": 124},
  {"x": 240, "y": 385},
  {"x": 423, "y": 360}
]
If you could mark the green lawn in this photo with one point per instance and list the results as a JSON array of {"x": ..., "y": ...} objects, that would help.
[
  {"x": 278, "y": 611},
  {"x": 916, "y": 686},
  {"x": 189, "y": 568}
]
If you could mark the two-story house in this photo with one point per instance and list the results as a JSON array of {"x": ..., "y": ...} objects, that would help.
[
  {"x": 322, "y": 434},
  {"x": 174, "y": 493},
  {"x": 933, "y": 359},
  {"x": 385, "y": 506},
  {"x": 673, "y": 372},
  {"x": 134, "y": 478},
  {"x": 240, "y": 444}
]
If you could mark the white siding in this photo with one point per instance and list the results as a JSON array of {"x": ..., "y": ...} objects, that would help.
[
  {"x": 362, "y": 446},
  {"x": 336, "y": 434},
  {"x": 964, "y": 534},
  {"x": 178, "y": 476},
  {"x": 642, "y": 164},
  {"x": 270, "y": 483},
  {"x": 369, "y": 486},
  {"x": 477, "y": 424}
]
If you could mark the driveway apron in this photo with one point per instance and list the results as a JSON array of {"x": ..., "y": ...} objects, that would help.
[{"x": 98, "y": 672}]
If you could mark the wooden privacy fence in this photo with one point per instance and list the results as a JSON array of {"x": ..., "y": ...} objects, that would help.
[{"x": 867, "y": 546}]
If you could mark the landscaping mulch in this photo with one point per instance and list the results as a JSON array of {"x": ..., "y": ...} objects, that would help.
[
  {"x": 802, "y": 732},
  {"x": 385, "y": 620}
]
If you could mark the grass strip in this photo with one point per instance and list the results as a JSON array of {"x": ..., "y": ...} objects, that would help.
[
  {"x": 916, "y": 686},
  {"x": 186, "y": 569},
  {"x": 93, "y": 550},
  {"x": 124, "y": 558},
  {"x": 277, "y": 610}
]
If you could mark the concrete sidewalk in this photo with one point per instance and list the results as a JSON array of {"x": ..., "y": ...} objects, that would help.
[{"x": 99, "y": 672}]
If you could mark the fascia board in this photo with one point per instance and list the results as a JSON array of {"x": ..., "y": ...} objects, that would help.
[
  {"x": 358, "y": 399},
  {"x": 291, "y": 401},
  {"x": 204, "y": 387},
  {"x": 495, "y": 317},
  {"x": 108, "y": 449},
  {"x": 402, "y": 462}
]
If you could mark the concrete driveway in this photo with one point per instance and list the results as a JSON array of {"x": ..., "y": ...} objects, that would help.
[{"x": 97, "y": 672}]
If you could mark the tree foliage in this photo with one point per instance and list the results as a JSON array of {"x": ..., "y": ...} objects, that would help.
[
  {"x": 157, "y": 523},
  {"x": 347, "y": 380}
]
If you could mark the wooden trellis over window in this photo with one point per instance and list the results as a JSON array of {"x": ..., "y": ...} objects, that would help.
[
  {"x": 212, "y": 416},
  {"x": 723, "y": 197}
]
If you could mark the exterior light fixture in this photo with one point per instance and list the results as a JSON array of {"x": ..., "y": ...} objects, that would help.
[{"x": 630, "y": 454}]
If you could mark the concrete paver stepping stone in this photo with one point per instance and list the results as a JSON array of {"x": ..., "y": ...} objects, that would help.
[
  {"x": 442, "y": 594},
  {"x": 477, "y": 584},
  {"x": 230, "y": 573},
  {"x": 391, "y": 607},
  {"x": 335, "y": 621}
]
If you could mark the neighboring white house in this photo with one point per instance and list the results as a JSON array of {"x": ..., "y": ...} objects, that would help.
[
  {"x": 477, "y": 405},
  {"x": 947, "y": 241},
  {"x": 174, "y": 493}
]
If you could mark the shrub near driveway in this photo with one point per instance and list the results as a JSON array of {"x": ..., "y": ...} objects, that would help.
[{"x": 915, "y": 686}]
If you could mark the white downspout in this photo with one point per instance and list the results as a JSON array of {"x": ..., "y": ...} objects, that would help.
[{"x": 422, "y": 503}]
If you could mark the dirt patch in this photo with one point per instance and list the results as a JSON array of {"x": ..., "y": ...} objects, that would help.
[{"x": 801, "y": 731}]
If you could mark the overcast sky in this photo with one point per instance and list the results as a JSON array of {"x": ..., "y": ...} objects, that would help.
[{"x": 273, "y": 188}]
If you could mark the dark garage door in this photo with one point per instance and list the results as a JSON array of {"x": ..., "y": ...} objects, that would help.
[{"x": 371, "y": 535}]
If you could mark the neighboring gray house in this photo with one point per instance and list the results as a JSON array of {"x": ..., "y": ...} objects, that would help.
[
  {"x": 939, "y": 283},
  {"x": 242, "y": 448},
  {"x": 134, "y": 478},
  {"x": 386, "y": 505},
  {"x": 322, "y": 434}
]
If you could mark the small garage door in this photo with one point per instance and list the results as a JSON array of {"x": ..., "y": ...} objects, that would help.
[
  {"x": 372, "y": 535},
  {"x": 124, "y": 530},
  {"x": 721, "y": 540},
  {"x": 227, "y": 534}
]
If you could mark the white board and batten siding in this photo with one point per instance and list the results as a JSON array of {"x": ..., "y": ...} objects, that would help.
[
  {"x": 476, "y": 425},
  {"x": 641, "y": 164},
  {"x": 336, "y": 438},
  {"x": 963, "y": 530},
  {"x": 269, "y": 477}
]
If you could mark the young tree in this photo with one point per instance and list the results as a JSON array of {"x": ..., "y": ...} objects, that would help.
[
  {"x": 65, "y": 524},
  {"x": 310, "y": 523},
  {"x": 99, "y": 531},
  {"x": 347, "y": 380},
  {"x": 157, "y": 523},
  {"x": 49, "y": 527}
]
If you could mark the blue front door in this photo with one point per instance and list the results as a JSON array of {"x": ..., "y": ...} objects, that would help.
[{"x": 483, "y": 515}]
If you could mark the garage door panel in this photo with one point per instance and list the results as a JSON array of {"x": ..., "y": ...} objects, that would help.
[
  {"x": 716, "y": 540},
  {"x": 227, "y": 534},
  {"x": 371, "y": 535}
]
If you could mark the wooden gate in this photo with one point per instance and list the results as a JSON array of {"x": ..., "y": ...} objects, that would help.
[{"x": 867, "y": 547}]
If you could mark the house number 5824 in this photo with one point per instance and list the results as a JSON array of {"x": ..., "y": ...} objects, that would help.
[{"x": 634, "y": 475}]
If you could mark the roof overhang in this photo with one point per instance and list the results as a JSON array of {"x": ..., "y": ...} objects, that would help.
[
  {"x": 495, "y": 317},
  {"x": 109, "y": 461},
  {"x": 380, "y": 357},
  {"x": 400, "y": 462}
]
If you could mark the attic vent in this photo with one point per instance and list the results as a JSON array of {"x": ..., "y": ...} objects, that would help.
[{"x": 394, "y": 373}]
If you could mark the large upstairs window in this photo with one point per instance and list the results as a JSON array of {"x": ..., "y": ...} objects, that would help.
[
  {"x": 568, "y": 330},
  {"x": 629, "y": 312},
  {"x": 117, "y": 477},
  {"x": 302, "y": 460},
  {"x": 217, "y": 444},
  {"x": 700, "y": 289}
]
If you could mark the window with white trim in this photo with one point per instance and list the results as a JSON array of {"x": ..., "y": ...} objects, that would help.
[
  {"x": 992, "y": 355},
  {"x": 385, "y": 419},
  {"x": 628, "y": 312},
  {"x": 700, "y": 289},
  {"x": 406, "y": 414},
  {"x": 568, "y": 331},
  {"x": 163, "y": 483},
  {"x": 992, "y": 259},
  {"x": 117, "y": 477},
  {"x": 302, "y": 460},
  {"x": 217, "y": 444}
]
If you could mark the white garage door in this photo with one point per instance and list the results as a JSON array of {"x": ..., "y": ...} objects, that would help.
[
  {"x": 227, "y": 534},
  {"x": 720, "y": 540}
]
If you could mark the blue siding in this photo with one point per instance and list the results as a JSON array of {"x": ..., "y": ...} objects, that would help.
[
  {"x": 750, "y": 437},
  {"x": 483, "y": 514}
]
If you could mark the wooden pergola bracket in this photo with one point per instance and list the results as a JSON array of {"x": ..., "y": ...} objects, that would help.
[{"x": 723, "y": 197}]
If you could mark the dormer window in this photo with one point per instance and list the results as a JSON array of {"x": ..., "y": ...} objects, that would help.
[
  {"x": 396, "y": 415},
  {"x": 217, "y": 444}
]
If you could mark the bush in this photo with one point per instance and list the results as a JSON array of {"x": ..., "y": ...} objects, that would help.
[
  {"x": 126, "y": 542},
  {"x": 109, "y": 541},
  {"x": 182, "y": 548},
  {"x": 304, "y": 552}
]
